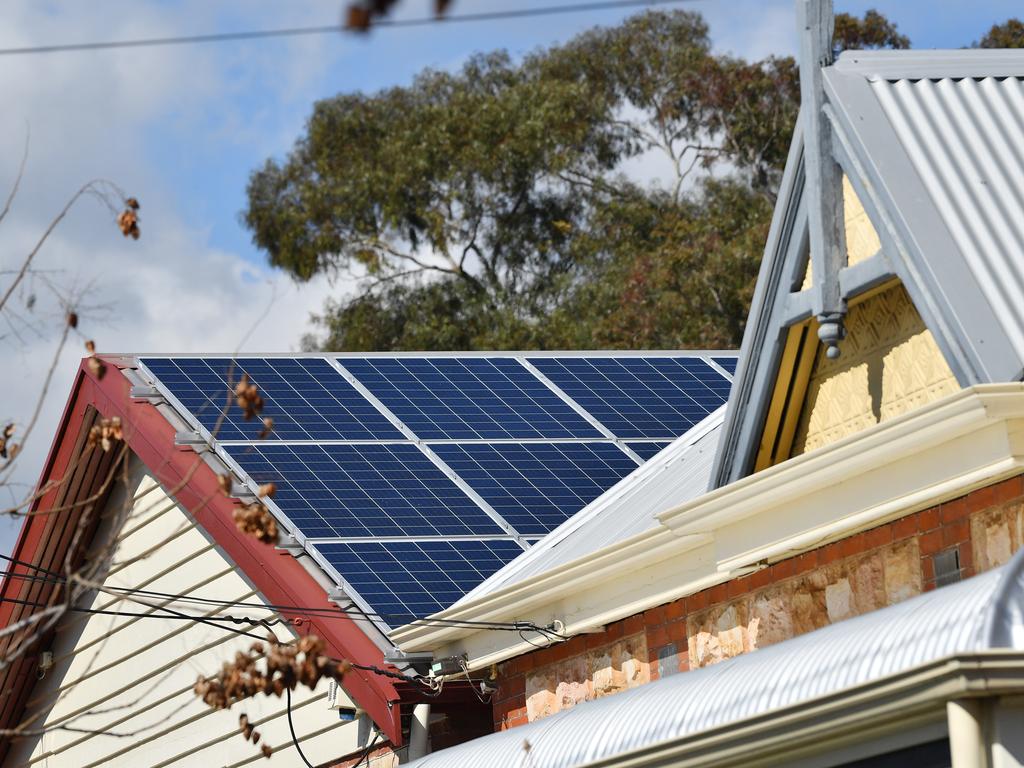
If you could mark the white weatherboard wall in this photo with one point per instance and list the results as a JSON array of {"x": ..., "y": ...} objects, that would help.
[{"x": 135, "y": 675}]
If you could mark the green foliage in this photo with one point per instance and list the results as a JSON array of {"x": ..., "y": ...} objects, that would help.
[
  {"x": 873, "y": 31},
  {"x": 488, "y": 208},
  {"x": 1009, "y": 34}
]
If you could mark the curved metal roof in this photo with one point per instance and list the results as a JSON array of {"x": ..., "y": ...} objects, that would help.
[{"x": 982, "y": 613}]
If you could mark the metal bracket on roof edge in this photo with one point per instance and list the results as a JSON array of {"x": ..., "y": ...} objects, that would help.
[
  {"x": 191, "y": 440},
  {"x": 337, "y": 595},
  {"x": 291, "y": 545},
  {"x": 145, "y": 392}
]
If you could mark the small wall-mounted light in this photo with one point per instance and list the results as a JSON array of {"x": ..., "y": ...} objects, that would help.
[{"x": 45, "y": 663}]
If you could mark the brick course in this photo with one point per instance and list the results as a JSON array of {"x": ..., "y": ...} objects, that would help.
[{"x": 848, "y": 577}]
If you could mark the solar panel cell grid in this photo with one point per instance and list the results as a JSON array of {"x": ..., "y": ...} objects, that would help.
[
  {"x": 537, "y": 486},
  {"x": 307, "y": 398},
  {"x": 385, "y": 485},
  {"x": 363, "y": 490},
  {"x": 646, "y": 450},
  {"x": 407, "y": 580},
  {"x": 470, "y": 398},
  {"x": 728, "y": 363},
  {"x": 640, "y": 396}
]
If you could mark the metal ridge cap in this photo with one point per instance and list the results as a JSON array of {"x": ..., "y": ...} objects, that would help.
[
  {"x": 931, "y": 64},
  {"x": 959, "y": 413}
]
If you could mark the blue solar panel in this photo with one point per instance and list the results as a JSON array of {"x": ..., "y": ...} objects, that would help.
[
  {"x": 307, "y": 398},
  {"x": 407, "y": 580},
  {"x": 646, "y": 450},
  {"x": 640, "y": 396},
  {"x": 400, "y": 530},
  {"x": 728, "y": 363},
  {"x": 363, "y": 490},
  {"x": 469, "y": 398},
  {"x": 537, "y": 486}
]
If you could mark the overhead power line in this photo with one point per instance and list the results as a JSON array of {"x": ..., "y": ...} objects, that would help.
[
  {"x": 222, "y": 37},
  {"x": 56, "y": 579}
]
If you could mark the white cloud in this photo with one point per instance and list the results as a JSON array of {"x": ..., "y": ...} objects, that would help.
[{"x": 109, "y": 115}]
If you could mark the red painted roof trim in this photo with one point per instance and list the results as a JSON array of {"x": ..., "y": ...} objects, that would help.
[{"x": 275, "y": 573}]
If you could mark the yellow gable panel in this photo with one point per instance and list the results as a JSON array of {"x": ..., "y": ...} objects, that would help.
[
  {"x": 890, "y": 364},
  {"x": 861, "y": 239}
]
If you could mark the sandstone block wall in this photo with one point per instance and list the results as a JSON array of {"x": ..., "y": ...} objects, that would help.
[{"x": 849, "y": 577}]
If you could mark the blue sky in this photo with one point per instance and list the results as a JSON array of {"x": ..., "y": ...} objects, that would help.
[
  {"x": 182, "y": 127},
  {"x": 393, "y": 56}
]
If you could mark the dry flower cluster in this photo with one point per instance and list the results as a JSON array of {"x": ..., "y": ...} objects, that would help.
[
  {"x": 8, "y": 450},
  {"x": 255, "y": 519},
  {"x": 251, "y": 734},
  {"x": 106, "y": 433},
  {"x": 359, "y": 16},
  {"x": 96, "y": 366},
  {"x": 287, "y": 666},
  {"x": 128, "y": 221},
  {"x": 248, "y": 398}
]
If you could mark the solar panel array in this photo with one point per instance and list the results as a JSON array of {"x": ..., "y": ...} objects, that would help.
[{"x": 413, "y": 477}]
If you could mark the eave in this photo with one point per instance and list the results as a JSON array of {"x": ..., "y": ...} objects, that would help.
[
  {"x": 938, "y": 452},
  {"x": 276, "y": 573}
]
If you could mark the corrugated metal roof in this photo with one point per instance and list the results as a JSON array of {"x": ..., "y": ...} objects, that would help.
[
  {"x": 676, "y": 474},
  {"x": 982, "y": 613},
  {"x": 934, "y": 145},
  {"x": 965, "y": 138}
]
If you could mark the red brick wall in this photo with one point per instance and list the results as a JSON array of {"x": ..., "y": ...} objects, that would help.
[{"x": 851, "y": 576}]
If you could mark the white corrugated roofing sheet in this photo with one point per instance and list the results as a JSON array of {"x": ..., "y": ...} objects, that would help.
[
  {"x": 676, "y": 474},
  {"x": 965, "y": 138},
  {"x": 982, "y": 613},
  {"x": 939, "y": 136}
]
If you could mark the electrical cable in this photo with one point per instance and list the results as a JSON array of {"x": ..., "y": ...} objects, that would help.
[
  {"x": 511, "y": 626},
  {"x": 291, "y": 726},
  {"x": 215, "y": 621},
  {"x": 366, "y": 752},
  {"x": 220, "y": 37}
]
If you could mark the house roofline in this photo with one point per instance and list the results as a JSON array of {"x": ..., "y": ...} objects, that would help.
[{"x": 277, "y": 574}]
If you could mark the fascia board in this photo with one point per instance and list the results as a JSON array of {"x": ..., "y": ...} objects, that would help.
[
  {"x": 907, "y": 700},
  {"x": 536, "y": 595},
  {"x": 280, "y": 578},
  {"x": 937, "y": 452},
  {"x": 762, "y": 339},
  {"x": 820, "y": 471}
]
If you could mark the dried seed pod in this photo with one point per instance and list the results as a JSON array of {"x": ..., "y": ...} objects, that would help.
[
  {"x": 224, "y": 483},
  {"x": 268, "y": 427},
  {"x": 5, "y": 437},
  {"x": 96, "y": 367}
]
